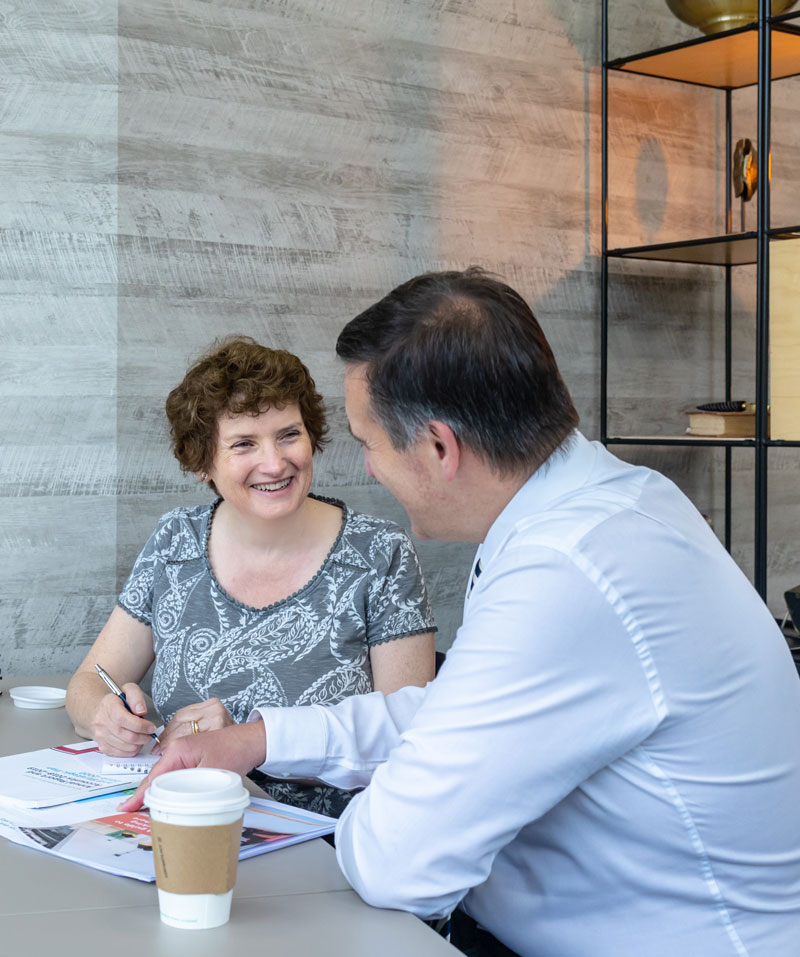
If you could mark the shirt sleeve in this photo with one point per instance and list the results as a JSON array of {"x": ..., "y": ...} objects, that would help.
[
  {"x": 543, "y": 687},
  {"x": 340, "y": 744},
  {"x": 136, "y": 596},
  {"x": 397, "y": 600}
]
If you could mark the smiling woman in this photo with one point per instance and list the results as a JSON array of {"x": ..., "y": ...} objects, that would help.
[{"x": 268, "y": 596}]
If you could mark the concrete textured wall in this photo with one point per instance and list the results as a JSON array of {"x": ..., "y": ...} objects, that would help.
[{"x": 176, "y": 170}]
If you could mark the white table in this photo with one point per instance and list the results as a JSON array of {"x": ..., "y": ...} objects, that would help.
[{"x": 293, "y": 902}]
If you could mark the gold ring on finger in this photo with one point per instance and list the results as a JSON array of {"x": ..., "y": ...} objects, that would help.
[{"x": 195, "y": 727}]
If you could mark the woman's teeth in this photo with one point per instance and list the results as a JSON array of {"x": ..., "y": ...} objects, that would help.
[{"x": 272, "y": 486}]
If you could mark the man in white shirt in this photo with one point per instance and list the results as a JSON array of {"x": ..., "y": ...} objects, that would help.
[{"x": 607, "y": 764}]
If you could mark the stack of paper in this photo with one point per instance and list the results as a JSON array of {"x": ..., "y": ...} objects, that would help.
[
  {"x": 55, "y": 776},
  {"x": 58, "y": 800}
]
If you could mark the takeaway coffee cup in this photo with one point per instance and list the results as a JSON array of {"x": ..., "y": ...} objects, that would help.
[{"x": 196, "y": 824}]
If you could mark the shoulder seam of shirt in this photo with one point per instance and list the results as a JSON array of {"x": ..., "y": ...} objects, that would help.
[{"x": 623, "y": 503}]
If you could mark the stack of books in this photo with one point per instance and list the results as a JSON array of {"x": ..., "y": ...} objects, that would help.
[{"x": 723, "y": 420}]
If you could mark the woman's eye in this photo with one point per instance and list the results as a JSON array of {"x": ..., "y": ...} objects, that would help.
[
  {"x": 243, "y": 445},
  {"x": 291, "y": 435}
]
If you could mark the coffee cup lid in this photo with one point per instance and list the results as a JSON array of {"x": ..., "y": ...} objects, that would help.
[{"x": 197, "y": 791}]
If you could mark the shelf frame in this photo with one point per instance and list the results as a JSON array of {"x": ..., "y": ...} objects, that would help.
[
  {"x": 719, "y": 441},
  {"x": 731, "y": 249},
  {"x": 705, "y": 441},
  {"x": 727, "y": 60},
  {"x": 777, "y": 48},
  {"x": 762, "y": 297},
  {"x": 728, "y": 470}
]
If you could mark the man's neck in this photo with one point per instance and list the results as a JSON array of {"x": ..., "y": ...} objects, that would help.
[{"x": 480, "y": 494}]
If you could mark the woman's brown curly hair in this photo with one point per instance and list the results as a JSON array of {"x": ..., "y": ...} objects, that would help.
[{"x": 237, "y": 375}]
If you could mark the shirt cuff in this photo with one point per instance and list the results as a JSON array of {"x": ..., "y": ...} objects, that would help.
[{"x": 295, "y": 746}]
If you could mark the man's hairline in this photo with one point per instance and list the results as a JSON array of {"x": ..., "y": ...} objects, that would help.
[
  {"x": 520, "y": 471},
  {"x": 365, "y": 364}
]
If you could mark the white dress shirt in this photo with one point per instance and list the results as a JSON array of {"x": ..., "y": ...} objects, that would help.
[{"x": 607, "y": 764}]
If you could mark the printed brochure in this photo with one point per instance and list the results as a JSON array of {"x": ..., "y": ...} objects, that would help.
[
  {"x": 70, "y": 772},
  {"x": 120, "y": 843}
]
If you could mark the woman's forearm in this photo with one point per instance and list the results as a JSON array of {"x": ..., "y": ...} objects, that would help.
[{"x": 84, "y": 694}]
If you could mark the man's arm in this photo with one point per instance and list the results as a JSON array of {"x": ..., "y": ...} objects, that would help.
[{"x": 340, "y": 744}]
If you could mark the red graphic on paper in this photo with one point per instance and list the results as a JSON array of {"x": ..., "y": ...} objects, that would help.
[
  {"x": 138, "y": 823},
  {"x": 76, "y": 749}
]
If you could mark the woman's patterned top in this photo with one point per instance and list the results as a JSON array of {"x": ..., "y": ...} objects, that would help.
[{"x": 309, "y": 648}]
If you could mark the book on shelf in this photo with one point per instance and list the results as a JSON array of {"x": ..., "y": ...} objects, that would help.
[{"x": 738, "y": 424}]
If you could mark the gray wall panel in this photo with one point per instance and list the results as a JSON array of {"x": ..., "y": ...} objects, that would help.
[{"x": 178, "y": 170}]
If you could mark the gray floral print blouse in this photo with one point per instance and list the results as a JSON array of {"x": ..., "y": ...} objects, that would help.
[{"x": 310, "y": 648}]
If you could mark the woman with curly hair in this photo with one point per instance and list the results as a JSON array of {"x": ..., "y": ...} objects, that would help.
[{"x": 269, "y": 595}]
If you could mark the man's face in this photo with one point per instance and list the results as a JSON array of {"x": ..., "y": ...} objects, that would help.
[{"x": 405, "y": 474}]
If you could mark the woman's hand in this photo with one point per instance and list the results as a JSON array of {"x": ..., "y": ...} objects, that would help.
[
  {"x": 117, "y": 731},
  {"x": 124, "y": 648},
  {"x": 209, "y": 715}
]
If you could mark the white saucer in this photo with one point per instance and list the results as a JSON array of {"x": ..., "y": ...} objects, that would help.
[{"x": 38, "y": 696}]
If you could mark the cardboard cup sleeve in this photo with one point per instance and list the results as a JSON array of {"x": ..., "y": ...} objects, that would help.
[{"x": 196, "y": 860}]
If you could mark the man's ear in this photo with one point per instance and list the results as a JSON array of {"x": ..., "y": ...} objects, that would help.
[{"x": 445, "y": 449}]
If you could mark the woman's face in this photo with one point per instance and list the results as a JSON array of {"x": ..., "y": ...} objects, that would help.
[{"x": 262, "y": 464}]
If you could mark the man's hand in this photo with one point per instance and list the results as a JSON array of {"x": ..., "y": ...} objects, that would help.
[
  {"x": 210, "y": 715},
  {"x": 241, "y": 748}
]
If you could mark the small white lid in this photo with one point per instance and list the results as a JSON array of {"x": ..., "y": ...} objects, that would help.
[
  {"x": 197, "y": 791},
  {"x": 38, "y": 696}
]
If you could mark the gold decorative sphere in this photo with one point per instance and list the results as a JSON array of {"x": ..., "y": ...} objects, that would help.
[{"x": 714, "y": 16}]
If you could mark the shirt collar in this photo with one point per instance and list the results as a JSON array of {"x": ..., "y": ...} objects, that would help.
[{"x": 564, "y": 471}]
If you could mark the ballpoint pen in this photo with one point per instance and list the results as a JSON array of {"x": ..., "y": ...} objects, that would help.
[{"x": 115, "y": 689}]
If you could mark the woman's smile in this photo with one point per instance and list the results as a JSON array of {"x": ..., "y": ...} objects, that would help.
[
  {"x": 272, "y": 486},
  {"x": 263, "y": 463}
]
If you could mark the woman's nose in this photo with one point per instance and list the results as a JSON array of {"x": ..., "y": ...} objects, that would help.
[{"x": 270, "y": 459}]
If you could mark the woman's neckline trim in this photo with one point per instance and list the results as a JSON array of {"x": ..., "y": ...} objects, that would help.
[{"x": 338, "y": 503}]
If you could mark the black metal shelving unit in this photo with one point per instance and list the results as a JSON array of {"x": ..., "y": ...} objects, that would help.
[{"x": 757, "y": 54}]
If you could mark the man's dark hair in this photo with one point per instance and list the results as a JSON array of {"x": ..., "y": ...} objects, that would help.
[{"x": 463, "y": 348}]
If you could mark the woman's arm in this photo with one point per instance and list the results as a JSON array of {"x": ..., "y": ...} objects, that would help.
[
  {"x": 402, "y": 661},
  {"x": 124, "y": 648}
]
